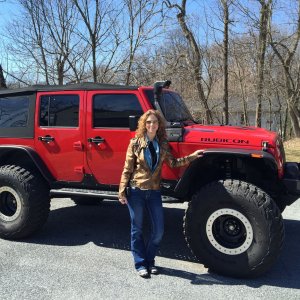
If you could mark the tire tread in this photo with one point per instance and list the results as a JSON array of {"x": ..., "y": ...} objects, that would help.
[
  {"x": 268, "y": 210},
  {"x": 38, "y": 198}
]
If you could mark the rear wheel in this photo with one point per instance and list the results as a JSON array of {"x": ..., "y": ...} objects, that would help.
[
  {"x": 234, "y": 228},
  {"x": 24, "y": 202}
]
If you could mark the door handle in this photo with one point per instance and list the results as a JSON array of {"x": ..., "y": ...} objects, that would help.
[
  {"x": 46, "y": 138},
  {"x": 97, "y": 140}
]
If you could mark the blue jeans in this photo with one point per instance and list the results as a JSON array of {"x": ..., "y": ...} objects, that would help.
[{"x": 150, "y": 201}]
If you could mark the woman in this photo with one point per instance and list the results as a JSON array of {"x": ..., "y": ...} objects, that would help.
[{"x": 142, "y": 171}]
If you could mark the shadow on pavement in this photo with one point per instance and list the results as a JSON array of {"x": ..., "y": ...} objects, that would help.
[{"x": 107, "y": 225}]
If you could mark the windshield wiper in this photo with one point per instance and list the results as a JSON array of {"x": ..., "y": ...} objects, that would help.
[
  {"x": 175, "y": 123},
  {"x": 188, "y": 121}
]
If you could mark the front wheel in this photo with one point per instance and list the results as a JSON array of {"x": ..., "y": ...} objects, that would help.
[{"x": 234, "y": 228}]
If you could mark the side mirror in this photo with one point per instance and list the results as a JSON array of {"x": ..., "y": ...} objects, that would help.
[{"x": 133, "y": 122}]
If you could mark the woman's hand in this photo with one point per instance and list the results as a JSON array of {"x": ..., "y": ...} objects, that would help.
[
  {"x": 198, "y": 153},
  {"x": 123, "y": 200}
]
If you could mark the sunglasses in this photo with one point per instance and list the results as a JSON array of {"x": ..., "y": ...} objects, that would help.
[{"x": 152, "y": 122}]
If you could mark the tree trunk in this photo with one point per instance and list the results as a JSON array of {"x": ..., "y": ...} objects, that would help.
[
  {"x": 60, "y": 72},
  {"x": 2, "y": 79},
  {"x": 294, "y": 114},
  {"x": 196, "y": 62},
  {"x": 246, "y": 119},
  {"x": 94, "y": 49},
  {"x": 128, "y": 73},
  {"x": 225, "y": 60},
  {"x": 265, "y": 14}
]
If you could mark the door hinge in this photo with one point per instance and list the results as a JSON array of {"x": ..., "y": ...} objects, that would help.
[{"x": 78, "y": 145}]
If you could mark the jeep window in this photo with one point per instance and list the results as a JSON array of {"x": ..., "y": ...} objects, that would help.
[
  {"x": 14, "y": 111},
  {"x": 59, "y": 110},
  {"x": 172, "y": 106},
  {"x": 113, "y": 110}
]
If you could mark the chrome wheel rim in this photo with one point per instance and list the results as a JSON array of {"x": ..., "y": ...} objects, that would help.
[{"x": 10, "y": 204}]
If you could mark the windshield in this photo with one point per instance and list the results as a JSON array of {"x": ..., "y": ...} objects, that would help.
[{"x": 172, "y": 106}]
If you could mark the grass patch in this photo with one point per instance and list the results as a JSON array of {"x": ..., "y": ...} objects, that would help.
[{"x": 292, "y": 150}]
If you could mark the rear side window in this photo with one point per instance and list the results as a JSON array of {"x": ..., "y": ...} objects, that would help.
[
  {"x": 113, "y": 110},
  {"x": 14, "y": 111},
  {"x": 59, "y": 110}
]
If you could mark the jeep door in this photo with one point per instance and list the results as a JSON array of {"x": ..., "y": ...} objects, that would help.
[
  {"x": 59, "y": 133},
  {"x": 108, "y": 131}
]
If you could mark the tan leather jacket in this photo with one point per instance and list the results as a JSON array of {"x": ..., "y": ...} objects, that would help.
[{"x": 137, "y": 171}]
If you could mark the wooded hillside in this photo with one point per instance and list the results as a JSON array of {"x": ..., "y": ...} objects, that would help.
[{"x": 233, "y": 61}]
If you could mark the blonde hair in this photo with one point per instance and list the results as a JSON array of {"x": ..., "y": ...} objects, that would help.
[{"x": 161, "y": 132}]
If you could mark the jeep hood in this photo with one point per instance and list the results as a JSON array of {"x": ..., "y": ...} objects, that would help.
[{"x": 231, "y": 136}]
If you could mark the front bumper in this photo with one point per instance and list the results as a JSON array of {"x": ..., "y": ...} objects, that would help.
[{"x": 291, "y": 180}]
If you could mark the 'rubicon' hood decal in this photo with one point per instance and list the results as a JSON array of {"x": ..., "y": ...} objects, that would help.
[
  {"x": 228, "y": 135},
  {"x": 226, "y": 140}
]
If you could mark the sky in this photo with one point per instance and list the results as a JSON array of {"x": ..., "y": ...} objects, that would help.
[
  {"x": 7, "y": 9},
  {"x": 202, "y": 11}
]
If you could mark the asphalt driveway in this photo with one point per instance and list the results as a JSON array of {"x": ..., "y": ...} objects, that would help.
[{"x": 83, "y": 253}]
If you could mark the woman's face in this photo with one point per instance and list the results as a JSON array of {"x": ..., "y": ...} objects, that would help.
[{"x": 151, "y": 125}]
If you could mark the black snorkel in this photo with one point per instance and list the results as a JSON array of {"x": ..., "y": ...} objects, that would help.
[
  {"x": 174, "y": 129},
  {"x": 158, "y": 86}
]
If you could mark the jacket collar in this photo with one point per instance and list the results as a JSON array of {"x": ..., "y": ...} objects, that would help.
[{"x": 144, "y": 141}]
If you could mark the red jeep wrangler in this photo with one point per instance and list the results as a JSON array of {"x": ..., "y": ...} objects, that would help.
[{"x": 70, "y": 141}]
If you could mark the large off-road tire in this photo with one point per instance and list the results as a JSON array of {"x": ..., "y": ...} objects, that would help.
[
  {"x": 24, "y": 202},
  {"x": 234, "y": 228}
]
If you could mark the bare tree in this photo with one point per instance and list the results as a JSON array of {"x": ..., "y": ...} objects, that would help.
[
  {"x": 241, "y": 73},
  {"x": 59, "y": 17},
  {"x": 28, "y": 38},
  {"x": 274, "y": 86},
  {"x": 195, "y": 59},
  {"x": 286, "y": 50},
  {"x": 42, "y": 40},
  {"x": 226, "y": 21},
  {"x": 18, "y": 81},
  {"x": 260, "y": 39},
  {"x": 264, "y": 21},
  {"x": 225, "y": 5},
  {"x": 143, "y": 25},
  {"x": 100, "y": 19}
]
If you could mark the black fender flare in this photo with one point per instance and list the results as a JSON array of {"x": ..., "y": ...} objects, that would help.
[
  {"x": 33, "y": 155},
  {"x": 182, "y": 187}
]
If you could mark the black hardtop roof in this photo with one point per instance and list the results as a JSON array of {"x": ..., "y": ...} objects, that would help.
[{"x": 69, "y": 87}]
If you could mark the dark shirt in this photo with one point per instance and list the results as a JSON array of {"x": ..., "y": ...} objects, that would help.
[{"x": 153, "y": 154}]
